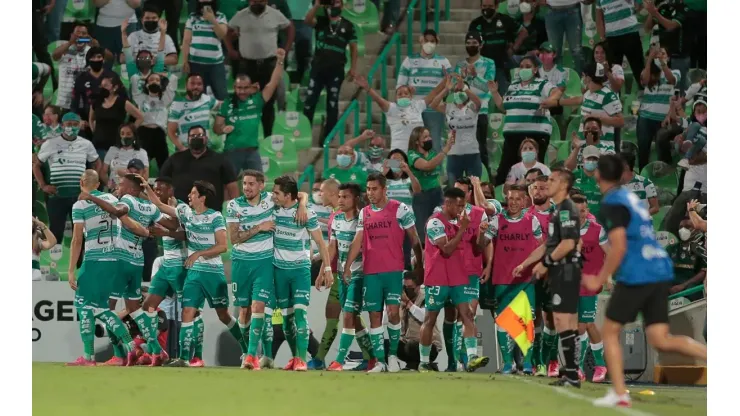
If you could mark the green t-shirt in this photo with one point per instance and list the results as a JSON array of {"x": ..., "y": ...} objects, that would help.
[
  {"x": 356, "y": 174},
  {"x": 246, "y": 117},
  {"x": 79, "y": 10},
  {"x": 427, "y": 179},
  {"x": 589, "y": 187},
  {"x": 299, "y": 8},
  {"x": 686, "y": 264}
]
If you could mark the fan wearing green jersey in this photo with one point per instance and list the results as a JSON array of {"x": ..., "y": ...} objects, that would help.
[{"x": 98, "y": 230}]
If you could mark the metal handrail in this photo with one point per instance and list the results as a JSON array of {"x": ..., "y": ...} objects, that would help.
[
  {"x": 687, "y": 292},
  {"x": 307, "y": 175},
  {"x": 339, "y": 128}
]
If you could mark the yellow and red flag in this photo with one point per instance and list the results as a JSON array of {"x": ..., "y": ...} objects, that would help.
[{"x": 518, "y": 322}]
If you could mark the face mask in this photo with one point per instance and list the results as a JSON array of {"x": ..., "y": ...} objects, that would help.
[
  {"x": 197, "y": 143},
  {"x": 525, "y": 8},
  {"x": 472, "y": 50},
  {"x": 317, "y": 198},
  {"x": 257, "y": 9},
  {"x": 684, "y": 234},
  {"x": 701, "y": 118},
  {"x": 590, "y": 165},
  {"x": 344, "y": 160},
  {"x": 155, "y": 88},
  {"x": 151, "y": 26},
  {"x": 547, "y": 58},
  {"x": 488, "y": 13},
  {"x": 335, "y": 11},
  {"x": 375, "y": 152},
  {"x": 127, "y": 141},
  {"x": 429, "y": 47},
  {"x": 594, "y": 135},
  {"x": 410, "y": 292},
  {"x": 144, "y": 64},
  {"x": 460, "y": 97},
  {"x": 427, "y": 145},
  {"x": 528, "y": 156},
  {"x": 104, "y": 93},
  {"x": 95, "y": 65},
  {"x": 403, "y": 102},
  {"x": 71, "y": 131},
  {"x": 526, "y": 74}
]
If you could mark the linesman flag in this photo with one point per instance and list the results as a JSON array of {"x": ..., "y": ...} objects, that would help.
[{"x": 517, "y": 320}]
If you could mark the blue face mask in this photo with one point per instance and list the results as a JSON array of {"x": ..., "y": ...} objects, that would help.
[
  {"x": 403, "y": 102},
  {"x": 590, "y": 165},
  {"x": 344, "y": 160},
  {"x": 528, "y": 156}
]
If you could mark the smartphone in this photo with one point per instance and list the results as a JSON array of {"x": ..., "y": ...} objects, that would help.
[
  {"x": 84, "y": 40},
  {"x": 394, "y": 163}
]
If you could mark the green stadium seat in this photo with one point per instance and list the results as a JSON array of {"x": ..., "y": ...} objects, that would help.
[
  {"x": 629, "y": 131},
  {"x": 494, "y": 151},
  {"x": 498, "y": 193},
  {"x": 568, "y": 61},
  {"x": 271, "y": 168},
  {"x": 662, "y": 175},
  {"x": 590, "y": 36},
  {"x": 658, "y": 218},
  {"x": 282, "y": 151},
  {"x": 366, "y": 18},
  {"x": 484, "y": 175},
  {"x": 552, "y": 151},
  {"x": 666, "y": 239},
  {"x": 564, "y": 149},
  {"x": 573, "y": 84},
  {"x": 573, "y": 126},
  {"x": 294, "y": 125},
  {"x": 496, "y": 126},
  {"x": 555, "y": 135}
]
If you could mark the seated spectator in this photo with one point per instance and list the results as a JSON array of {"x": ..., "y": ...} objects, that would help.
[
  {"x": 585, "y": 179},
  {"x": 117, "y": 158},
  {"x": 674, "y": 124},
  {"x": 157, "y": 93},
  {"x": 205, "y": 30},
  {"x": 402, "y": 184},
  {"x": 41, "y": 239},
  {"x": 87, "y": 88},
  {"x": 186, "y": 112},
  {"x": 528, "y": 152},
  {"x": 592, "y": 131},
  {"x": 372, "y": 159},
  {"x": 152, "y": 34},
  {"x": 108, "y": 24},
  {"x": 694, "y": 135},
  {"x": 141, "y": 63},
  {"x": 52, "y": 125},
  {"x": 535, "y": 27},
  {"x": 347, "y": 169},
  {"x": 614, "y": 70},
  {"x": 689, "y": 269},
  {"x": 109, "y": 112},
  {"x": 641, "y": 186}
]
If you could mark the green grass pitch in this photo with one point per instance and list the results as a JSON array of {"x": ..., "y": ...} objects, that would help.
[{"x": 60, "y": 390}]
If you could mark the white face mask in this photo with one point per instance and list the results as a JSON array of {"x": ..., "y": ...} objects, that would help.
[
  {"x": 317, "y": 198},
  {"x": 428, "y": 47},
  {"x": 525, "y": 7},
  {"x": 684, "y": 234}
]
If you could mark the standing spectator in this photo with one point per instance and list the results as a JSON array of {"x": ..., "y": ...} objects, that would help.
[
  {"x": 157, "y": 93},
  {"x": 171, "y": 9},
  {"x": 148, "y": 38},
  {"x": 668, "y": 21},
  {"x": 42, "y": 239},
  {"x": 372, "y": 159},
  {"x": 333, "y": 35},
  {"x": 423, "y": 72},
  {"x": 524, "y": 119},
  {"x": 592, "y": 131},
  {"x": 60, "y": 164},
  {"x": 303, "y": 39},
  {"x": 39, "y": 42},
  {"x": 477, "y": 71},
  {"x": 239, "y": 118},
  {"x": 108, "y": 113},
  {"x": 108, "y": 24},
  {"x": 142, "y": 63},
  {"x": 54, "y": 11},
  {"x": 659, "y": 81},
  {"x": 528, "y": 153},
  {"x": 501, "y": 36},
  {"x": 199, "y": 163},
  {"x": 535, "y": 27},
  {"x": 696, "y": 21},
  {"x": 116, "y": 162},
  {"x": 563, "y": 19},
  {"x": 347, "y": 169},
  {"x": 616, "y": 24},
  {"x": 257, "y": 28},
  {"x": 585, "y": 179},
  {"x": 402, "y": 184},
  {"x": 425, "y": 164},
  {"x": 641, "y": 186},
  {"x": 613, "y": 69},
  {"x": 554, "y": 73},
  {"x": 201, "y": 47},
  {"x": 52, "y": 122},
  {"x": 194, "y": 109},
  {"x": 87, "y": 87}
]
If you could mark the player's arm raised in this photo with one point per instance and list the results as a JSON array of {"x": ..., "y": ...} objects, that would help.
[
  {"x": 117, "y": 211},
  {"x": 449, "y": 246},
  {"x": 152, "y": 196}
]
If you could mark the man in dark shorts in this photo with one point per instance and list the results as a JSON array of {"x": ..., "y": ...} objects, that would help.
[
  {"x": 644, "y": 275},
  {"x": 562, "y": 265}
]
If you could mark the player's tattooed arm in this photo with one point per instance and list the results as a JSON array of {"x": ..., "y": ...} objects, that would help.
[
  {"x": 301, "y": 215},
  {"x": 116, "y": 211},
  {"x": 239, "y": 236},
  {"x": 134, "y": 227}
]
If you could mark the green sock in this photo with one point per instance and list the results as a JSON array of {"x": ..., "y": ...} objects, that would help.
[
  {"x": 394, "y": 335},
  {"x": 116, "y": 327},
  {"x": 200, "y": 327},
  {"x": 267, "y": 336},
  {"x": 536, "y": 348},
  {"x": 505, "y": 345},
  {"x": 376, "y": 337},
  {"x": 301, "y": 333},
  {"x": 424, "y": 351},
  {"x": 448, "y": 333},
  {"x": 554, "y": 351},
  {"x": 258, "y": 325},
  {"x": 187, "y": 335},
  {"x": 145, "y": 326},
  {"x": 345, "y": 341},
  {"x": 237, "y": 334},
  {"x": 87, "y": 323},
  {"x": 549, "y": 343},
  {"x": 289, "y": 331},
  {"x": 597, "y": 350},
  {"x": 582, "y": 347},
  {"x": 244, "y": 330},
  {"x": 154, "y": 346},
  {"x": 471, "y": 347},
  {"x": 366, "y": 345},
  {"x": 462, "y": 354},
  {"x": 330, "y": 333}
]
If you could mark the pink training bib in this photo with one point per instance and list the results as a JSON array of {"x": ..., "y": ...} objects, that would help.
[
  {"x": 382, "y": 240},
  {"x": 513, "y": 244},
  {"x": 544, "y": 220},
  {"x": 473, "y": 262},
  {"x": 441, "y": 271},
  {"x": 593, "y": 255}
]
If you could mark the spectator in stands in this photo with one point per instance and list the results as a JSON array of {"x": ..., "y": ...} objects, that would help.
[
  {"x": 171, "y": 11},
  {"x": 535, "y": 27},
  {"x": 425, "y": 164},
  {"x": 141, "y": 63},
  {"x": 402, "y": 184},
  {"x": 667, "y": 22},
  {"x": 60, "y": 163},
  {"x": 347, "y": 169},
  {"x": 201, "y": 47},
  {"x": 334, "y": 35},
  {"x": 563, "y": 20},
  {"x": 39, "y": 42},
  {"x": 116, "y": 162},
  {"x": 585, "y": 179},
  {"x": 154, "y": 96},
  {"x": 424, "y": 72},
  {"x": 108, "y": 24},
  {"x": 148, "y": 38},
  {"x": 303, "y": 39},
  {"x": 528, "y": 122},
  {"x": 592, "y": 130},
  {"x": 689, "y": 269},
  {"x": 199, "y": 163},
  {"x": 110, "y": 111},
  {"x": 52, "y": 122},
  {"x": 239, "y": 118},
  {"x": 42, "y": 239},
  {"x": 659, "y": 82},
  {"x": 372, "y": 159},
  {"x": 194, "y": 109},
  {"x": 555, "y": 74},
  {"x": 614, "y": 71},
  {"x": 54, "y": 11},
  {"x": 641, "y": 186},
  {"x": 528, "y": 152},
  {"x": 87, "y": 87},
  {"x": 531, "y": 176},
  {"x": 501, "y": 36},
  {"x": 257, "y": 28},
  {"x": 693, "y": 134},
  {"x": 673, "y": 125},
  {"x": 616, "y": 24},
  {"x": 40, "y": 73}
]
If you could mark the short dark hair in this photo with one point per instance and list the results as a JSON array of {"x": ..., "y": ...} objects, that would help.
[
  {"x": 193, "y": 74},
  {"x": 78, "y": 23},
  {"x": 518, "y": 188},
  {"x": 259, "y": 176},
  {"x": 628, "y": 158},
  {"x": 287, "y": 185},
  {"x": 590, "y": 119},
  {"x": 575, "y": 191},
  {"x": 205, "y": 189},
  {"x": 579, "y": 199},
  {"x": 464, "y": 180},
  {"x": 568, "y": 175},
  {"x": 454, "y": 193},
  {"x": 414, "y": 277},
  {"x": 94, "y": 50},
  {"x": 405, "y": 157},
  {"x": 538, "y": 171},
  {"x": 197, "y": 126},
  {"x": 541, "y": 178},
  {"x": 377, "y": 177},
  {"x": 135, "y": 180},
  {"x": 151, "y": 8},
  {"x": 610, "y": 168},
  {"x": 164, "y": 179},
  {"x": 352, "y": 187}
]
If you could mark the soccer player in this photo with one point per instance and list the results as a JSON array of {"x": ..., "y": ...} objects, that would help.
[
  {"x": 594, "y": 246},
  {"x": 343, "y": 230},
  {"x": 515, "y": 234},
  {"x": 379, "y": 238},
  {"x": 562, "y": 264},
  {"x": 99, "y": 268},
  {"x": 491, "y": 205},
  {"x": 445, "y": 275},
  {"x": 293, "y": 267},
  {"x": 643, "y": 274},
  {"x": 251, "y": 225}
]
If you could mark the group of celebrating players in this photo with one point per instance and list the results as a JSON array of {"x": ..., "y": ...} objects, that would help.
[{"x": 545, "y": 243}]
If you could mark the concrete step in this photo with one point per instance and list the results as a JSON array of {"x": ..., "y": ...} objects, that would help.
[{"x": 457, "y": 28}]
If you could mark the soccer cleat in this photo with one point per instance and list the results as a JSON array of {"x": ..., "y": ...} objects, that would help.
[
  {"x": 508, "y": 369},
  {"x": 251, "y": 363},
  {"x": 300, "y": 365},
  {"x": 159, "y": 359},
  {"x": 243, "y": 360},
  {"x": 290, "y": 365},
  {"x": 82, "y": 362},
  {"x": 541, "y": 370},
  {"x": 266, "y": 362},
  {"x": 564, "y": 381},
  {"x": 475, "y": 362},
  {"x": 581, "y": 376},
  {"x": 145, "y": 359},
  {"x": 612, "y": 399},
  {"x": 371, "y": 364},
  {"x": 424, "y": 368},
  {"x": 461, "y": 368},
  {"x": 335, "y": 366},
  {"x": 114, "y": 362},
  {"x": 553, "y": 370},
  {"x": 197, "y": 362},
  {"x": 527, "y": 369},
  {"x": 131, "y": 358},
  {"x": 363, "y": 366},
  {"x": 452, "y": 369},
  {"x": 177, "y": 362},
  {"x": 599, "y": 374},
  {"x": 377, "y": 368},
  {"x": 393, "y": 365},
  {"x": 316, "y": 364}
]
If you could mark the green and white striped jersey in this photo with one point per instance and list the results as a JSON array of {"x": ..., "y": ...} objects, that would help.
[
  {"x": 492, "y": 231},
  {"x": 128, "y": 244},
  {"x": 656, "y": 101},
  {"x": 498, "y": 208},
  {"x": 39, "y": 70},
  {"x": 240, "y": 211},
  {"x": 485, "y": 70},
  {"x": 603, "y": 102},
  {"x": 322, "y": 213},
  {"x": 101, "y": 230},
  {"x": 292, "y": 247},
  {"x": 424, "y": 74},
  {"x": 557, "y": 76},
  {"x": 522, "y": 105},
  {"x": 343, "y": 231},
  {"x": 404, "y": 216},
  {"x": 620, "y": 16},
  {"x": 205, "y": 48},
  {"x": 174, "y": 251},
  {"x": 643, "y": 187},
  {"x": 66, "y": 161},
  {"x": 201, "y": 232},
  {"x": 188, "y": 113},
  {"x": 400, "y": 190}
]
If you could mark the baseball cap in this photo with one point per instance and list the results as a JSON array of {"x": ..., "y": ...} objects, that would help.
[
  {"x": 591, "y": 151},
  {"x": 547, "y": 47},
  {"x": 595, "y": 71},
  {"x": 136, "y": 164},
  {"x": 71, "y": 117},
  {"x": 473, "y": 35}
]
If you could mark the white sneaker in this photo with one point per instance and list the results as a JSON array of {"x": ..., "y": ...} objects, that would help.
[
  {"x": 266, "y": 362},
  {"x": 379, "y": 368},
  {"x": 393, "y": 365},
  {"x": 242, "y": 360},
  {"x": 612, "y": 399},
  {"x": 460, "y": 367},
  {"x": 683, "y": 163}
]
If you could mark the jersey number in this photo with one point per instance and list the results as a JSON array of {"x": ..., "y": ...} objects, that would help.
[{"x": 105, "y": 234}]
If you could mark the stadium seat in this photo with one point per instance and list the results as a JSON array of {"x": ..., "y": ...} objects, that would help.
[
  {"x": 564, "y": 149},
  {"x": 573, "y": 126},
  {"x": 573, "y": 84},
  {"x": 494, "y": 151},
  {"x": 658, "y": 218},
  {"x": 484, "y": 176},
  {"x": 282, "y": 151},
  {"x": 270, "y": 168},
  {"x": 363, "y": 14},
  {"x": 294, "y": 125},
  {"x": 590, "y": 36},
  {"x": 555, "y": 135},
  {"x": 496, "y": 126},
  {"x": 552, "y": 151},
  {"x": 662, "y": 175}
]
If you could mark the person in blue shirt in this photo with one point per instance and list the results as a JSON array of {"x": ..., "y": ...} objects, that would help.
[{"x": 643, "y": 272}]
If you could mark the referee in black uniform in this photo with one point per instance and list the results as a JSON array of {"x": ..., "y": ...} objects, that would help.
[{"x": 562, "y": 264}]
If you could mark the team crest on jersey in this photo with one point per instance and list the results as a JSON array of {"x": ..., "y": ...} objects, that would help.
[
  {"x": 499, "y": 24},
  {"x": 264, "y": 205}
]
